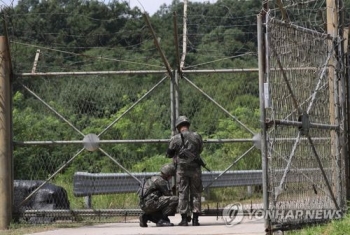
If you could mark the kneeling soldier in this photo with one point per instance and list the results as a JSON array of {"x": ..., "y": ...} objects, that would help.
[{"x": 156, "y": 200}]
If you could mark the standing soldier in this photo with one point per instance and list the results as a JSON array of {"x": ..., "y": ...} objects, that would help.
[
  {"x": 156, "y": 200},
  {"x": 186, "y": 147}
]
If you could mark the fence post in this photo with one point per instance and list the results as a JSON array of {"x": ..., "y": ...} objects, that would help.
[
  {"x": 347, "y": 112},
  {"x": 333, "y": 30},
  {"x": 264, "y": 155},
  {"x": 6, "y": 188}
]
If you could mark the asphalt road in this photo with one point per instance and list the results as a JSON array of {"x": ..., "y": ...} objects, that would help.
[{"x": 209, "y": 225}]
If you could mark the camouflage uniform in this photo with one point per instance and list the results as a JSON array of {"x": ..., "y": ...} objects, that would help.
[
  {"x": 157, "y": 197},
  {"x": 156, "y": 200},
  {"x": 189, "y": 174}
]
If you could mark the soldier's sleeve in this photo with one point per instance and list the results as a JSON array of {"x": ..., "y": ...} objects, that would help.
[
  {"x": 200, "y": 142},
  {"x": 163, "y": 187},
  {"x": 171, "y": 148}
]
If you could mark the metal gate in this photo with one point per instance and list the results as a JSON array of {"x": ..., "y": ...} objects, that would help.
[
  {"x": 108, "y": 122},
  {"x": 302, "y": 106},
  {"x": 100, "y": 141}
]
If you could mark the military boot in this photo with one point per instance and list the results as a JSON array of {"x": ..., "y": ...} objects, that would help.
[
  {"x": 143, "y": 220},
  {"x": 189, "y": 217},
  {"x": 183, "y": 220},
  {"x": 164, "y": 223},
  {"x": 166, "y": 218},
  {"x": 195, "y": 219}
]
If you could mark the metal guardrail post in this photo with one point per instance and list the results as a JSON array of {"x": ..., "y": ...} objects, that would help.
[{"x": 87, "y": 201}]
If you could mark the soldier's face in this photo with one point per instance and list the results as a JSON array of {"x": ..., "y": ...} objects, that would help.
[{"x": 183, "y": 128}]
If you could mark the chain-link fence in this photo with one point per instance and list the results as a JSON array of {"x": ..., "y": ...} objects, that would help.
[
  {"x": 303, "y": 99},
  {"x": 132, "y": 138},
  {"x": 96, "y": 89},
  {"x": 90, "y": 119}
]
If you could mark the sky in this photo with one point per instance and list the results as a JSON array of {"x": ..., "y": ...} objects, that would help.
[{"x": 150, "y": 6}]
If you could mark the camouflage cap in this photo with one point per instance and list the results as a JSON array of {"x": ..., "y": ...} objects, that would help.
[
  {"x": 182, "y": 120},
  {"x": 168, "y": 169}
]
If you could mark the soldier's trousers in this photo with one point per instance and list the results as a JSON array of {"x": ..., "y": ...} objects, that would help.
[
  {"x": 165, "y": 205},
  {"x": 189, "y": 180}
]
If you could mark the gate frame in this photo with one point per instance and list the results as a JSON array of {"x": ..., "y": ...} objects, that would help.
[{"x": 343, "y": 107}]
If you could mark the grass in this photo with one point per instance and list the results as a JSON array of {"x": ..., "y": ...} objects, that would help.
[{"x": 335, "y": 227}]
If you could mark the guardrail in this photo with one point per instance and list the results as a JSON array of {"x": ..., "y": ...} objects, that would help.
[{"x": 88, "y": 184}]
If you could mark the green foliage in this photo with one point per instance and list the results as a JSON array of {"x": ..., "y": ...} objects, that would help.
[
  {"x": 152, "y": 164},
  {"x": 337, "y": 227}
]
